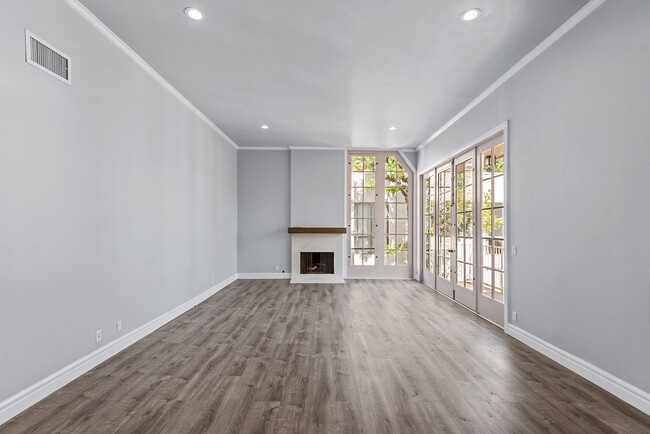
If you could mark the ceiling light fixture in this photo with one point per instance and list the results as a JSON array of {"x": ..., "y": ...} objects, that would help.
[
  {"x": 264, "y": 127},
  {"x": 392, "y": 128},
  {"x": 470, "y": 14},
  {"x": 194, "y": 13}
]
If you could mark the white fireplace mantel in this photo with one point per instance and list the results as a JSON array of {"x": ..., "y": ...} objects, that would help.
[{"x": 308, "y": 241}]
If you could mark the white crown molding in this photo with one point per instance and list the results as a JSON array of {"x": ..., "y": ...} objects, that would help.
[
  {"x": 108, "y": 33},
  {"x": 24, "y": 399},
  {"x": 316, "y": 148},
  {"x": 263, "y": 148},
  {"x": 256, "y": 276},
  {"x": 546, "y": 43},
  {"x": 614, "y": 385}
]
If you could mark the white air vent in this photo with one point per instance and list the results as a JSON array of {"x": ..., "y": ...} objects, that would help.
[{"x": 47, "y": 58}]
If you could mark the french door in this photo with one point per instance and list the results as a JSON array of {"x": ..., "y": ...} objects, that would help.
[
  {"x": 463, "y": 229},
  {"x": 379, "y": 216}
]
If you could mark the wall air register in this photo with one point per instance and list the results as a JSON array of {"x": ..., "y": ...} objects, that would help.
[{"x": 47, "y": 58}]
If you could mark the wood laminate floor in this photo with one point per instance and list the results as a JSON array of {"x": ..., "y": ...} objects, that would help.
[{"x": 363, "y": 357}]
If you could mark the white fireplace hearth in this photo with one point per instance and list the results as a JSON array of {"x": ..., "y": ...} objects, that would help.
[{"x": 320, "y": 240}]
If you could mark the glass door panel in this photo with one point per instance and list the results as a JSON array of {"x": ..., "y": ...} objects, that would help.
[
  {"x": 492, "y": 257},
  {"x": 444, "y": 235},
  {"x": 362, "y": 210},
  {"x": 429, "y": 229},
  {"x": 464, "y": 234},
  {"x": 396, "y": 194}
]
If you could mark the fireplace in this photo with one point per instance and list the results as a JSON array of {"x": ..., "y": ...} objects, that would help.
[
  {"x": 317, "y": 254},
  {"x": 316, "y": 262}
]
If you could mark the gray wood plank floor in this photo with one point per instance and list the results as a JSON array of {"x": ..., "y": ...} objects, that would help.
[{"x": 364, "y": 357}]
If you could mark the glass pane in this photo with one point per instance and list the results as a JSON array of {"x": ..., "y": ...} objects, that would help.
[
  {"x": 441, "y": 266},
  {"x": 389, "y": 257},
  {"x": 486, "y": 162},
  {"x": 356, "y": 257},
  {"x": 390, "y": 195},
  {"x": 427, "y": 262},
  {"x": 460, "y": 224},
  {"x": 487, "y": 282},
  {"x": 402, "y": 195},
  {"x": 460, "y": 251},
  {"x": 468, "y": 224},
  {"x": 486, "y": 253},
  {"x": 460, "y": 273},
  {"x": 469, "y": 250},
  {"x": 486, "y": 223},
  {"x": 402, "y": 242},
  {"x": 390, "y": 242},
  {"x": 391, "y": 179},
  {"x": 402, "y": 257},
  {"x": 369, "y": 195},
  {"x": 369, "y": 164},
  {"x": 469, "y": 178},
  {"x": 369, "y": 180},
  {"x": 498, "y": 254},
  {"x": 399, "y": 167},
  {"x": 427, "y": 224},
  {"x": 499, "y": 191},
  {"x": 447, "y": 178},
  {"x": 469, "y": 276},
  {"x": 498, "y": 158},
  {"x": 447, "y": 273},
  {"x": 468, "y": 198},
  {"x": 391, "y": 164},
  {"x": 391, "y": 210},
  {"x": 447, "y": 247},
  {"x": 427, "y": 243},
  {"x": 402, "y": 226},
  {"x": 487, "y": 193},
  {"x": 498, "y": 286},
  {"x": 391, "y": 226},
  {"x": 357, "y": 179},
  {"x": 357, "y": 195},
  {"x": 447, "y": 225},
  {"x": 357, "y": 241},
  {"x": 460, "y": 200},
  {"x": 357, "y": 163},
  {"x": 402, "y": 211},
  {"x": 357, "y": 226},
  {"x": 460, "y": 176},
  {"x": 497, "y": 226},
  {"x": 369, "y": 243}
]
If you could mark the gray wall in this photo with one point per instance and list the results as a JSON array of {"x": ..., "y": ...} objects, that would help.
[
  {"x": 579, "y": 188},
  {"x": 318, "y": 188},
  {"x": 263, "y": 202},
  {"x": 117, "y": 202}
]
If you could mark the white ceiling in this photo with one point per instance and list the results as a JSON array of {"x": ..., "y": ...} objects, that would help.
[{"x": 332, "y": 72}]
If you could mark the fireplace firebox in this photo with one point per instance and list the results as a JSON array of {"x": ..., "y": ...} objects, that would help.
[{"x": 316, "y": 262}]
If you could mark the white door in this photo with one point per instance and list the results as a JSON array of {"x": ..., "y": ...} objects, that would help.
[{"x": 379, "y": 216}]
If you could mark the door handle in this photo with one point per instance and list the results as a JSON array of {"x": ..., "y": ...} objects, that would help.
[{"x": 450, "y": 251}]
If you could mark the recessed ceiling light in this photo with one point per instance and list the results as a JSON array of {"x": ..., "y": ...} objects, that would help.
[
  {"x": 392, "y": 128},
  {"x": 470, "y": 14},
  {"x": 194, "y": 13},
  {"x": 264, "y": 127}
]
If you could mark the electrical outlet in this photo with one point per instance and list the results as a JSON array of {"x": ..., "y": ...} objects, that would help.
[
  {"x": 277, "y": 268},
  {"x": 98, "y": 336},
  {"x": 514, "y": 250},
  {"x": 514, "y": 316},
  {"x": 118, "y": 326}
]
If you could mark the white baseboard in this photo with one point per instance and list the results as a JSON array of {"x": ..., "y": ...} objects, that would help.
[
  {"x": 614, "y": 385},
  {"x": 264, "y": 276},
  {"x": 24, "y": 399}
]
